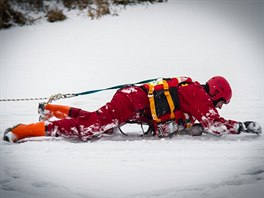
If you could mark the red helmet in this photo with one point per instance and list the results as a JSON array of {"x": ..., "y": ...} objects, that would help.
[{"x": 219, "y": 89}]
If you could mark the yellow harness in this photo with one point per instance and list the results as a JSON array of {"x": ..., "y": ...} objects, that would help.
[{"x": 152, "y": 100}]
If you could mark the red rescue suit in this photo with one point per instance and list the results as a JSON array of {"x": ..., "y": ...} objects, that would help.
[{"x": 132, "y": 103}]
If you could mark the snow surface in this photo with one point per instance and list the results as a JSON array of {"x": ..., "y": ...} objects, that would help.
[{"x": 179, "y": 38}]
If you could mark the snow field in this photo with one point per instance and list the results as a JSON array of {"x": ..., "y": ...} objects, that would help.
[{"x": 198, "y": 39}]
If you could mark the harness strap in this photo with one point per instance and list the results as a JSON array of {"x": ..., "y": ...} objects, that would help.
[
  {"x": 152, "y": 103},
  {"x": 164, "y": 102},
  {"x": 169, "y": 98}
]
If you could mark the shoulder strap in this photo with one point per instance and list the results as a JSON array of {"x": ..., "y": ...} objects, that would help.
[
  {"x": 152, "y": 103},
  {"x": 169, "y": 98},
  {"x": 151, "y": 89}
]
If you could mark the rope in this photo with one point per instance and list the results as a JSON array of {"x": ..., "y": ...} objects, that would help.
[
  {"x": 115, "y": 87},
  {"x": 50, "y": 99},
  {"x": 22, "y": 99},
  {"x": 60, "y": 96},
  {"x": 63, "y": 96}
]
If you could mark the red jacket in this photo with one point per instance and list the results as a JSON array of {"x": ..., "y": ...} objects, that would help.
[
  {"x": 195, "y": 101},
  {"x": 196, "y": 104}
]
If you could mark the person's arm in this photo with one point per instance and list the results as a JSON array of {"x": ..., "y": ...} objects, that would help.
[
  {"x": 213, "y": 123},
  {"x": 202, "y": 108}
]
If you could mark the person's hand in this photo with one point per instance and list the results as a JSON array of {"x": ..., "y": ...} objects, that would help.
[
  {"x": 167, "y": 129},
  {"x": 250, "y": 127},
  {"x": 196, "y": 130}
]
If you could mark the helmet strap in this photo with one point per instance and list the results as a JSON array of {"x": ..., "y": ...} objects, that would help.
[
  {"x": 218, "y": 100},
  {"x": 206, "y": 88}
]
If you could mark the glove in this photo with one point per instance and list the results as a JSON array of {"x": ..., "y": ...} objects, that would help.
[
  {"x": 196, "y": 130},
  {"x": 250, "y": 127},
  {"x": 167, "y": 129}
]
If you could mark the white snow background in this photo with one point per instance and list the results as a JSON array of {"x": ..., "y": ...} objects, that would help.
[{"x": 199, "y": 39}]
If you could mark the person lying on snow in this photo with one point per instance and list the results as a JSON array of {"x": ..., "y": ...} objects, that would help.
[{"x": 167, "y": 105}]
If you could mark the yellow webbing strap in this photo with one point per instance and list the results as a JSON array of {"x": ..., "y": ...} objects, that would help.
[
  {"x": 152, "y": 103},
  {"x": 169, "y": 98}
]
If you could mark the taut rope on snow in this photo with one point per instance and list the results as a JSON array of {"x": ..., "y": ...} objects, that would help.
[
  {"x": 50, "y": 99},
  {"x": 22, "y": 99},
  {"x": 63, "y": 96}
]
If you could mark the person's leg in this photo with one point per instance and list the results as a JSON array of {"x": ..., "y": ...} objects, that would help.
[
  {"x": 47, "y": 111},
  {"x": 22, "y": 131},
  {"x": 59, "y": 111},
  {"x": 85, "y": 126},
  {"x": 124, "y": 106},
  {"x": 93, "y": 124}
]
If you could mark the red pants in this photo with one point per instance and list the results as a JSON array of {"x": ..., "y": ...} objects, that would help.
[{"x": 128, "y": 104}]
